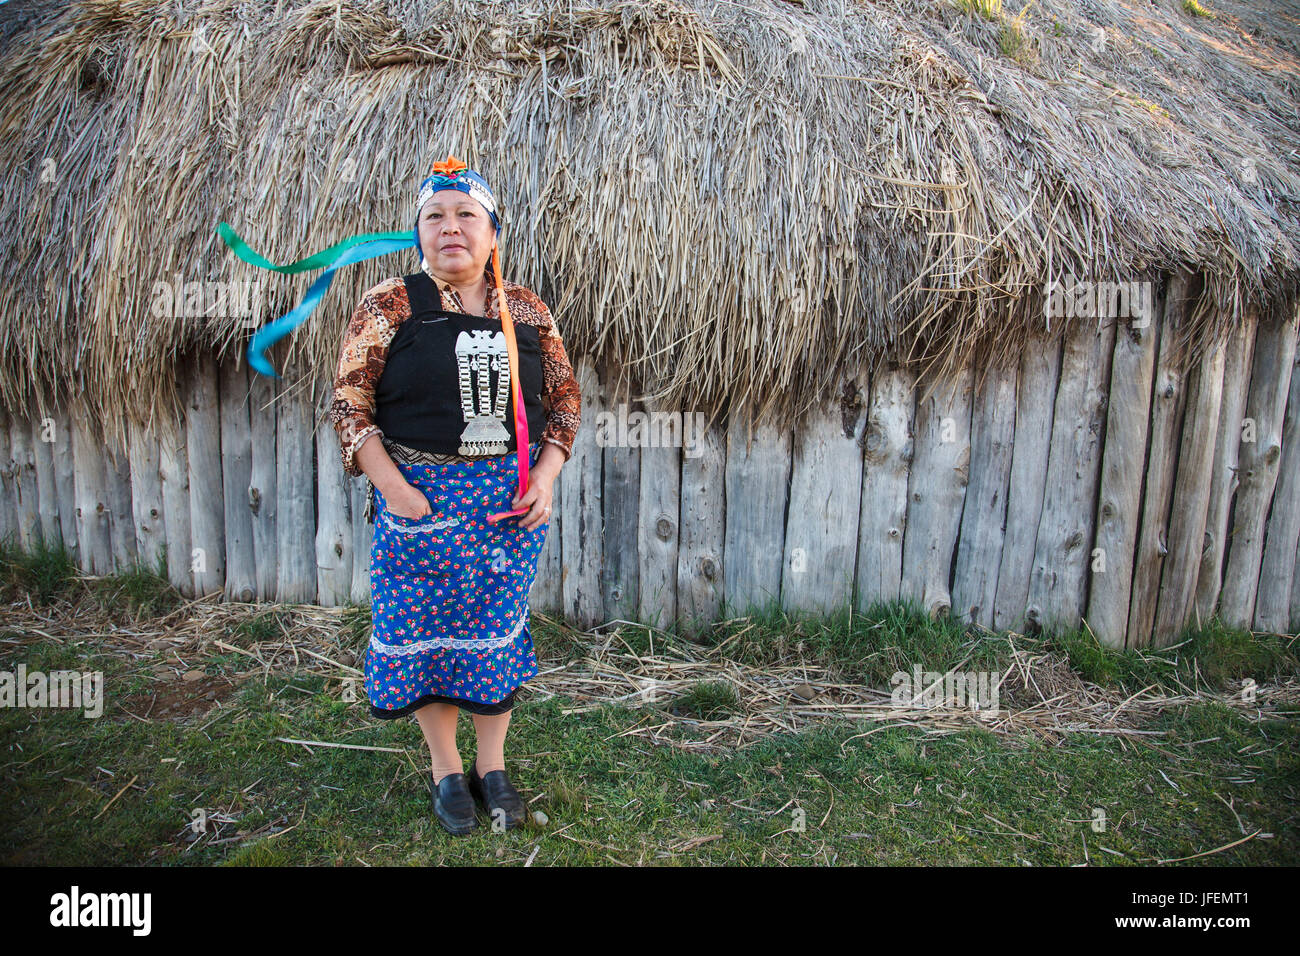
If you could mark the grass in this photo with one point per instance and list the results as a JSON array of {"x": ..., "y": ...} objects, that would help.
[
  {"x": 869, "y": 647},
  {"x": 892, "y": 798},
  {"x": 988, "y": 9},
  {"x": 47, "y": 573},
  {"x": 1011, "y": 37},
  {"x": 214, "y": 786},
  {"x": 44, "y": 573},
  {"x": 708, "y": 700}
]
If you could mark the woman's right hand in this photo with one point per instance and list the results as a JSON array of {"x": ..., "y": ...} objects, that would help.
[{"x": 408, "y": 501}]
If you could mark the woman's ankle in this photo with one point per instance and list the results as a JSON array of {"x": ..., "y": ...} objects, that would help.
[{"x": 439, "y": 772}]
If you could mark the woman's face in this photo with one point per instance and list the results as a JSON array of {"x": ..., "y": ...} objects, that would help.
[{"x": 456, "y": 235}]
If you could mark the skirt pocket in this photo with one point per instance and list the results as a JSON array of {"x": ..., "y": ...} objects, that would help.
[{"x": 428, "y": 545}]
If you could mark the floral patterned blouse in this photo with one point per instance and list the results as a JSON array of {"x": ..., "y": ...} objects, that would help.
[{"x": 376, "y": 320}]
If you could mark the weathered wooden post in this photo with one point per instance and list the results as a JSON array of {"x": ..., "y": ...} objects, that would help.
[
  {"x": 8, "y": 491},
  {"x": 702, "y": 537},
  {"x": 620, "y": 496},
  {"x": 1040, "y": 368},
  {"x": 65, "y": 482},
  {"x": 25, "y": 481},
  {"x": 1169, "y": 398},
  {"x": 582, "y": 538},
  {"x": 1277, "y": 567},
  {"x": 886, "y": 461},
  {"x": 1128, "y": 421},
  {"x": 295, "y": 523},
  {"x": 334, "y": 554},
  {"x": 1227, "y": 445},
  {"x": 47, "y": 505},
  {"x": 757, "y": 489},
  {"x": 146, "y": 494},
  {"x": 174, "y": 472},
  {"x": 96, "y": 553},
  {"x": 236, "y": 479},
  {"x": 821, "y": 531},
  {"x": 121, "y": 510},
  {"x": 979, "y": 545},
  {"x": 1259, "y": 458},
  {"x": 936, "y": 489},
  {"x": 263, "y": 489},
  {"x": 1063, "y": 544},
  {"x": 207, "y": 499},
  {"x": 1186, "y": 535},
  {"x": 658, "y": 516},
  {"x": 363, "y": 533}
]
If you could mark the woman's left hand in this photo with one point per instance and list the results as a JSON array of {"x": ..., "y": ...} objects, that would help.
[
  {"x": 537, "y": 499},
  {"x": 540, "y": 479}
]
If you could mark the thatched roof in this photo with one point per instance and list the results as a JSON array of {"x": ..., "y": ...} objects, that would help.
[{"x": 725, "y": 197}]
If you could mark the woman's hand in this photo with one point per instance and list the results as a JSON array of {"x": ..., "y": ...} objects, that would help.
[
  {"x": 408, "y": 501},
  {"x": 541, "y": 478}
]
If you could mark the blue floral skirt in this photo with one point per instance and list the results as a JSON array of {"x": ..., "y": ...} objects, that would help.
[{"x": 449, "y": 592}]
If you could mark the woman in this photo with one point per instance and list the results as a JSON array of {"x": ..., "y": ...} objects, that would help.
[{"x": 422, "y": 403}]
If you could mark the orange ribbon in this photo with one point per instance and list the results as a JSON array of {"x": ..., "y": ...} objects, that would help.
[{"x": 516, "y": 392}]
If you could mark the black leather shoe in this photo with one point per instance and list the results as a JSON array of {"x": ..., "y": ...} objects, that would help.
[
  {"x": 452, "y": 804},
  {"x": 495, "y": 792}
]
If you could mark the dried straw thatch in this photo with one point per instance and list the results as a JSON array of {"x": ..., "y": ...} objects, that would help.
[{"x": 752, "y": 199}]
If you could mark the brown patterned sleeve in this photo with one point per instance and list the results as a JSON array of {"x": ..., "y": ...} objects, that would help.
[
  {"x": 559, "y": 386},
  {"x": 361, "y": 362}
]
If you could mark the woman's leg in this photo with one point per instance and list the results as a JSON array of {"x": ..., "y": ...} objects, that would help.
[
  {"x": 438, "y": 721},
  {"x": 491, "y": 733}
]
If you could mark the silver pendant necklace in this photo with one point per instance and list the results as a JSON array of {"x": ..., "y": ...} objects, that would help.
[{"x": 479, "y": 354}]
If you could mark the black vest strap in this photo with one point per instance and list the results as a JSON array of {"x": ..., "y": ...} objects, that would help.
[{"x": 422, "y": 292}]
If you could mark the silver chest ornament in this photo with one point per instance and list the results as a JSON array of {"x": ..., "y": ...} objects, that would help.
[{"x": 479, "y": 353}]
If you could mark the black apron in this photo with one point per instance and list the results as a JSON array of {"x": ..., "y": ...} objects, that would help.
[{"x": 445, "y": 387}]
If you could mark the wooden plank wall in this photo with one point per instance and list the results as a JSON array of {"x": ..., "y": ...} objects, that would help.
[
  {"x": 1259, "y": 459},
  {"x": 1091, "y": 482}
]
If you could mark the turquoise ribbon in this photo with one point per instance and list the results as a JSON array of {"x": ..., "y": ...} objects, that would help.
[{"x": 351, "y": 250}]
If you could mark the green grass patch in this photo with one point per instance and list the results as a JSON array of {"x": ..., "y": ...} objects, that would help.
[
  {"x": 708, "y": 700},
  {"x": 988, "y": 9},
  {"x": 137, "y": 592},
  {"x": 1212, "y": 658},
  {"x": 44, "y": 573},
  {"x": 192, "y": 772},
  {"x": 825, "y": 796}
]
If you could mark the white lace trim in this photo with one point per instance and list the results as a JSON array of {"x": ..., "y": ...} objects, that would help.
[
  {"x": 478, "y": 644},
  {"x": 419, "y": 528}
]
